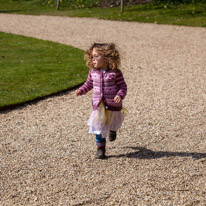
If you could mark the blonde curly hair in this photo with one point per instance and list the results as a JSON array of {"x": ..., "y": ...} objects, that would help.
[{"x": 109, "y": 52}]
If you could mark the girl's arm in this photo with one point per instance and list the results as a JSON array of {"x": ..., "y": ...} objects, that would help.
[
  {"x": 122, "y": 85},
  {"x": 87, "y": 86}
]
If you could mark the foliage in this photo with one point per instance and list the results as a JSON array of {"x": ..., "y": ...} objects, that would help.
[
  {"x": 178, "y": 2},
  {"x": 75, "y": 3},
  {"x": 32, "y": 68}
]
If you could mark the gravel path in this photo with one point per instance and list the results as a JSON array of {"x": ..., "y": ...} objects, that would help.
[{"x": 159, "y": 157}]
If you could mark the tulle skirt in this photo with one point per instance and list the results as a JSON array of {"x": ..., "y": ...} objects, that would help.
[{"x": 101, "y": 121}]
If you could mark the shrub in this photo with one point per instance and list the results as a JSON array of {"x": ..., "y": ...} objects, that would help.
[{"x": 176, "y": 2}]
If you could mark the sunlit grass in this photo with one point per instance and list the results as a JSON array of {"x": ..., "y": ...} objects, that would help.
[{"x": 32, "y": 68}]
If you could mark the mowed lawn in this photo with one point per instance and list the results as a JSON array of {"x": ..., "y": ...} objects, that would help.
[{"x": 32, "y": 68}]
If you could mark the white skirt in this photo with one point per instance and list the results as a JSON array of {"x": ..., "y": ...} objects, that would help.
[{"x": 101, "y": 121}]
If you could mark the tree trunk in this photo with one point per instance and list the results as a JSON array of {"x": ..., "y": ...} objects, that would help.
[
  {"x": 58, "y": 4},
  {"x": 122, "y": 6}
]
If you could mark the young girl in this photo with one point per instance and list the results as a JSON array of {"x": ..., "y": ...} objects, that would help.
[{"x": 109, "y": 89}]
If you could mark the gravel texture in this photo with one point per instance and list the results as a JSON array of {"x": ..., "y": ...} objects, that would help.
[{"x": 159, "y": 157}]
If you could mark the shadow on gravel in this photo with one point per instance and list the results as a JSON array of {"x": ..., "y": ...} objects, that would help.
[{"x": 144, "y": 153}]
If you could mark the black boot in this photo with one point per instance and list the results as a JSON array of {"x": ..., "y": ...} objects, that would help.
[
  {"x": 100, "y": 153},
  {"x": 112, "y": 135}
]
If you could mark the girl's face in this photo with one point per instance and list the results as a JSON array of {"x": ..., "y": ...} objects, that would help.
[{"x": 98, "y": 60}]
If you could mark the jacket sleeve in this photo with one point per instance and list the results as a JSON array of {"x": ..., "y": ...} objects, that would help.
[
  {"x": 121, "y": 84},
  {"x": 88, "y": 85}
]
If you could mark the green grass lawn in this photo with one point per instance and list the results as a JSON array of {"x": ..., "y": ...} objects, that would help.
[
  {"x": 32, "y": 68},
  {"x": 186, "y": 14}
]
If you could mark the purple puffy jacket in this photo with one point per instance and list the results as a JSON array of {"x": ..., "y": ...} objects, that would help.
[{"x": 106, "y": 85}]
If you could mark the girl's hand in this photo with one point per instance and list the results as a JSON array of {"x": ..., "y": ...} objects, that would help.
[
  {"x": 78, "y": 92},
  {"x": 117, "y": 99}
]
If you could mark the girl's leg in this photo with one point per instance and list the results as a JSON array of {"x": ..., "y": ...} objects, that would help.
[
  {"x": 101, "y": 144},
  {"x": 117, "y": 120},
  {"x": 112, "y": 135}
]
